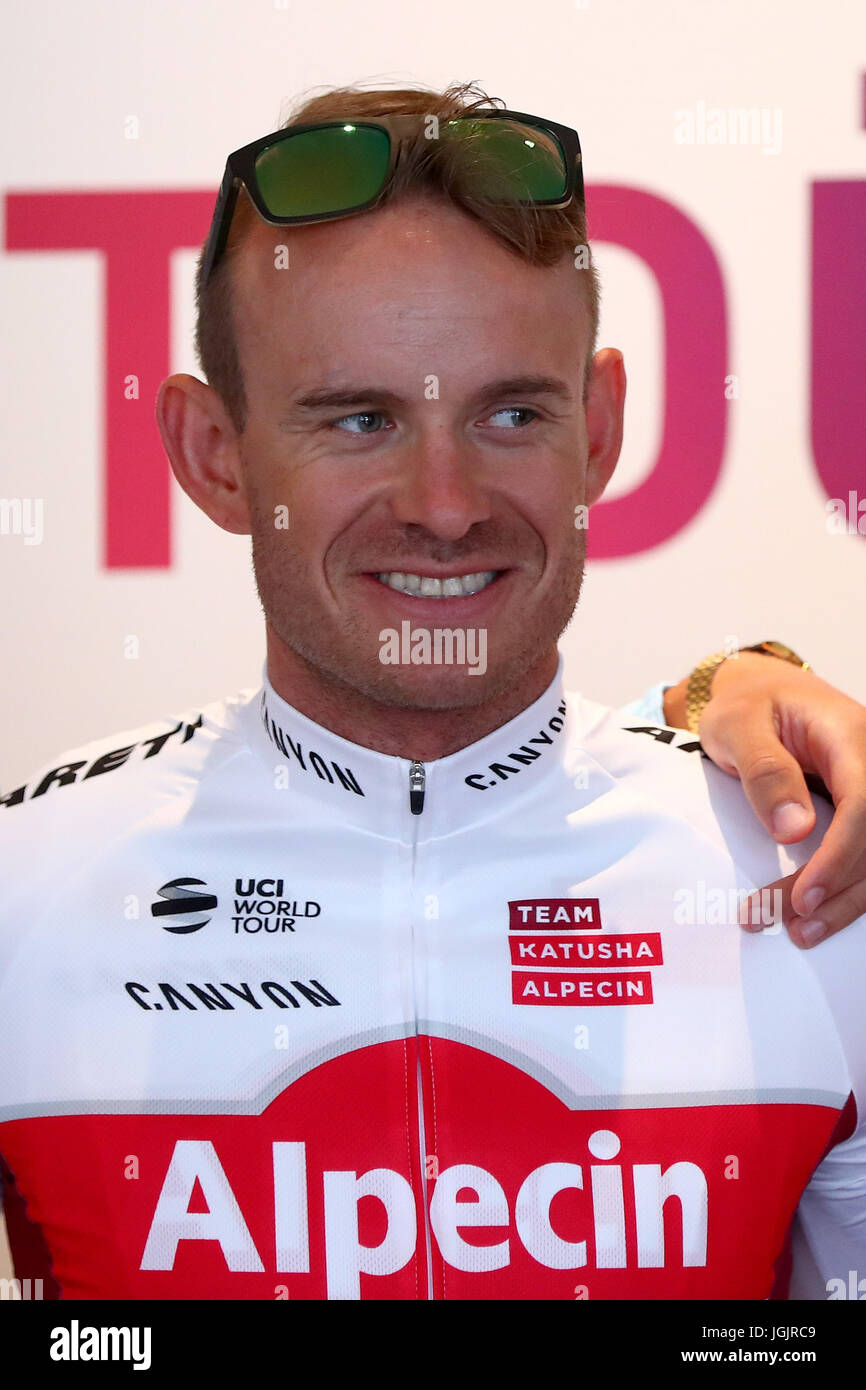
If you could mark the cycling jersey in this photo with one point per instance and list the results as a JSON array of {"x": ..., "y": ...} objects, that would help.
[{"x": 284, "y": 1017}]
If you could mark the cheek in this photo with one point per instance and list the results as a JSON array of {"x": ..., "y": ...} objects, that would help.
[
  {"x": 319, "y": 524},
  {"x": 283, "y": 495},
  {"x": 549, "y": 508}
]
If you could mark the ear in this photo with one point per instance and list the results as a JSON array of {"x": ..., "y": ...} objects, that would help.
[
  {"x": 202, "y": 446},
  {"x": 604, "y": 417}
]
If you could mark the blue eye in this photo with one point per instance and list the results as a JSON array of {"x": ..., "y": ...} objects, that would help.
[
  {"x": 361, "y": 415},
  {"x": 515, "y": 410}
]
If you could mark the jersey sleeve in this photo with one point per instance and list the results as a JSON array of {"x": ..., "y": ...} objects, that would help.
[
  {"x": 648, "y": 708},
  {"x": 830, "y": 1242},
  {"x": 829, "y": 1246}
]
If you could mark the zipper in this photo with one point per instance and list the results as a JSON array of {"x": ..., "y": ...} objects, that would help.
[
  {"x": 417, "y": 787},
  {"x": 417, "y": 783}
]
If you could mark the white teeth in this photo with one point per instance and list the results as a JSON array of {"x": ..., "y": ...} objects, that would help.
[
  {"x": 472, "y": 583},
  {"x": 425, "y": 586}
]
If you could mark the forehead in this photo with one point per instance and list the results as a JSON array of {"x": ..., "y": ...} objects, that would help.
[{"x": 409, "y": 252}]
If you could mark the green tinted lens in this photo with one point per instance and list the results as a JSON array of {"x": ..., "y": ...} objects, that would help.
[
  {"x": 322, "y": 171},
  {"x": 512, "y": 162}
]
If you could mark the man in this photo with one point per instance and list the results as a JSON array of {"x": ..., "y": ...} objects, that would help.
[{"x": 406, "y": 978}]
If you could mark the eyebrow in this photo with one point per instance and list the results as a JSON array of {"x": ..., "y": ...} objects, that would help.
[{"x": 314, "y": 402}]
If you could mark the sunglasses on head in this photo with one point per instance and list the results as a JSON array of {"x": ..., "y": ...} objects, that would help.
[{"x": 332, "y": 169}]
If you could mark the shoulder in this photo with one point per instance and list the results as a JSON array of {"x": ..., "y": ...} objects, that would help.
[
  {"x": 667, "y": 769},
  {"x": 122, "y": 774},
  {"x": 669, "y": 781}
]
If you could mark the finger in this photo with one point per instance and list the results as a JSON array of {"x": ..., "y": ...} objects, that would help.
[
  {"x": 835, "y": 914},
  {"x": 768, "y": 905},
  {"x": 771, "y": 776},
  {"x": 840, "y": 864},
  {"x": 839, "y": 861}
]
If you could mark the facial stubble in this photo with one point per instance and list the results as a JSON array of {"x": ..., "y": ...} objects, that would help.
[{"x": 337, "y": 650}]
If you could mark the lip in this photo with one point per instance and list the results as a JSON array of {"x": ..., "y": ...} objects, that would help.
[{"x": 448, "y": 610}]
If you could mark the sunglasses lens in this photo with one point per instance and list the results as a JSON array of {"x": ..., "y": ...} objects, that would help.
[
  {"x": 513, "y": 162},
  {"x": 323, "y": 171}
]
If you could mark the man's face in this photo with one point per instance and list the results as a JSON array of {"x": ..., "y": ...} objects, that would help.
[{"x": 424, "y": 466}]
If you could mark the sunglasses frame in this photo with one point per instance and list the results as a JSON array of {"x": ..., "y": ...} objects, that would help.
[{"x": 241, "y": 169}]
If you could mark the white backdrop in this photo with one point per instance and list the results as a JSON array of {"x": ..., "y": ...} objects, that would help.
[{"x": 152, "y": 97}]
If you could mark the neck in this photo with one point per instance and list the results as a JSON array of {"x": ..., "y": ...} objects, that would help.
[{"x": 421, "y": 734}]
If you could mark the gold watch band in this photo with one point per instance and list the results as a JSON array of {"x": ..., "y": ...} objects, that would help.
[{"x": 699, "y": 688}]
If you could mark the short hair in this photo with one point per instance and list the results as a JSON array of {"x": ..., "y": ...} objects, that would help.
[{"x": 538, "y": 235}]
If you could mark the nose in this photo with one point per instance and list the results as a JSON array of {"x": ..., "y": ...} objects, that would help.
[{"x": 439, "y": 485}]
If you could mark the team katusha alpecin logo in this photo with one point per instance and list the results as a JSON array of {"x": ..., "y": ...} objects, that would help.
[
  {"x": 184, "y": 901},
  {"x": 560, "y": 955}
]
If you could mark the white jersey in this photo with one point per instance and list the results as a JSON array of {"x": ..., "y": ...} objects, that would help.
[{"x": 282, "y": 1016}]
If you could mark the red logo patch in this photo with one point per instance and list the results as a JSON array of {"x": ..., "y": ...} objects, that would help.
[{"x": 549, "y": 949}]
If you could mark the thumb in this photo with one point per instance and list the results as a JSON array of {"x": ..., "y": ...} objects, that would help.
[{"x": 772, "y": 778}]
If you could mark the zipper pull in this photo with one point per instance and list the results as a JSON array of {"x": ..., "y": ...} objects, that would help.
[{"x": 417, "y": 780}]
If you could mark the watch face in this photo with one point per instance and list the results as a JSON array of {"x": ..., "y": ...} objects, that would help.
[{"x": 781, "y": 650}]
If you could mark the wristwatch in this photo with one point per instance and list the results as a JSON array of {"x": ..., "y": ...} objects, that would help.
[{"x": 699, "y": 688}]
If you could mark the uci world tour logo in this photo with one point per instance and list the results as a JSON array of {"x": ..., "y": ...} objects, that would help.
[{"x": 182, "y": 900}]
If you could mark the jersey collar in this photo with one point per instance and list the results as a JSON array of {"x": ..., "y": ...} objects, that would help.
[{"x": 358, "y": 784}]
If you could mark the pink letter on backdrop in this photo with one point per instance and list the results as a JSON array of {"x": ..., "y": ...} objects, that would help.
[
  {"x": 839, "y": 335},
  {"x": 692, "y": 371},
  {"x": 136, "y": 232}
]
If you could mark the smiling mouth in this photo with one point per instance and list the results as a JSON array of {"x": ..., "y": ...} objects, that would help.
[{"x": 426, "y": 586}]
